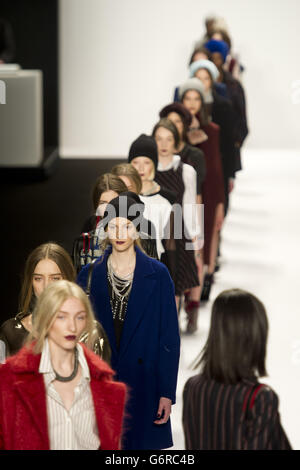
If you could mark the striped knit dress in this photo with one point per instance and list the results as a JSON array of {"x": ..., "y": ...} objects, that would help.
[
  {"x": 186, "y": 274},
  {"x": 214, "y": 416}
]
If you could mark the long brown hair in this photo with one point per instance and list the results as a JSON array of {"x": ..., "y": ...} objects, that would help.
[
  {"x": 107, "y": 182},
  {"x": 50, "y": 251},
  {"x": 126, "y": 169},
  {"x": 237, "y": 340}
]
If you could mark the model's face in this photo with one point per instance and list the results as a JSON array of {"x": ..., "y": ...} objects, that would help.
[
  {"x": 217, "y": 37},
  {"x": 217, "y": 59},
  {"x": 144, "y": 167},
  {"x": 192, "y": 101},
  {"x": 121, "y": 233},
  {"x": 165, "y": 142},
  {"x": 105, "y": 199},
  {"x": 46, "y": 271},
  {"x": 176, "y": 119},
  {"x": 204, "y": 76},
  {"x": 70, "y": 322},
  {"x": 129, "y": 183},
  {"x": 199, "y": 56}
]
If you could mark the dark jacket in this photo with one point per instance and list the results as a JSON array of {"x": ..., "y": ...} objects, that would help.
[
  {"x": 223, "y": 115},
  {"x": 23, "y": 403},
  {"x": 236, "y": 95},
  {"x": 147, "y": 360},
  {"x": 226, "y": 417},
  {"x": 194, "y": 157},
  {"x": 14, "y": 335}
]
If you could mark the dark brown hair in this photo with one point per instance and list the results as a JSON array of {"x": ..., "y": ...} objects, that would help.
[
  {"x": 50, "y": 251},
  {"x": 203, "y": 114},
  {"x": 170, "y": 126},
  {"x": 237, "y": 340},
  {"x": 200, "y": 50},
  {"x": 126, "y": 169},
  {"x": 107, "y": 182}
]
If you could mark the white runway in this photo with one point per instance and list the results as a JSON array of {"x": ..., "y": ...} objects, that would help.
[{"x": 261, "y": 253}]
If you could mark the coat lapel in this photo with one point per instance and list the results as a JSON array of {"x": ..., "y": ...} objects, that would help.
[
  {"x": 101, "y": 295},
  {"x": 142, "y": 289},
  {"x": 109, "y": 401}
]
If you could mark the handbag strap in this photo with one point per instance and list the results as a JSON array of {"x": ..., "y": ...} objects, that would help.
[
  {"x": 250, "y": 398},
  {"x": 89, "y": 279}
]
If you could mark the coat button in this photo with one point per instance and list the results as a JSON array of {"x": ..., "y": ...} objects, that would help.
[{"x": 140, "y": 360}]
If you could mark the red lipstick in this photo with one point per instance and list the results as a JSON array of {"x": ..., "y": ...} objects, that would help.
[{"x": 70, "y": 337}]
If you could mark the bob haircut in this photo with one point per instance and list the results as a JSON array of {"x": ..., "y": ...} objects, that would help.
[
  {"x": 126, "y": 169},
  {"x": 170, "y": 126},
  {"x": 47, "y": 307},
  {"x": 107, "y": 182},
  {"x": 50, "y": 251},
  {"x": 237, "y": 340}
]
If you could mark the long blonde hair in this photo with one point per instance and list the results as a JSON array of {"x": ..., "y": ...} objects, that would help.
[{"x": 47, "y": 307}]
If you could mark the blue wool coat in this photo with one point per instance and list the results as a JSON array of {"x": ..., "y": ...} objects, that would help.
[{"x": 148, "y": 357}]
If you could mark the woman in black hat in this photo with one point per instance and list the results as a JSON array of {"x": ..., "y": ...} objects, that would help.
[
  {"x": 133, "y": 295},
  {"x": 158, "y": 201}
]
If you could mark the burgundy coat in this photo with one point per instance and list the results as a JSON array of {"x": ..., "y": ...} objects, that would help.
[
  {"x": 213, "y": 187},
  {"x": 23, "y": 405}
]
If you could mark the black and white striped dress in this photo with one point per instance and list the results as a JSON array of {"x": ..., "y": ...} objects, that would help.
[{"x": 186, "y": 274}]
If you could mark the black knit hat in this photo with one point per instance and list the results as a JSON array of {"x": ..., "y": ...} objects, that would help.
[
  {"x": 130, "y": 208},
  {"x": 144, "y": 146},
  {"x": 179, "y": 109}
]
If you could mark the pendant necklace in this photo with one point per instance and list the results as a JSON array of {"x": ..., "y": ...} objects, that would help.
[{"x": 60, "y": 378}]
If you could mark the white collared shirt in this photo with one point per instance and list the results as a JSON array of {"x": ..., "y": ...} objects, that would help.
[
  {"x": 75, "y": 429},
  {"x": 192, "y": 218}
]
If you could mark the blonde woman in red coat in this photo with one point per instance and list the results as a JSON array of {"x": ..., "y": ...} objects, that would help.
[{"x": 55, "y": 393}]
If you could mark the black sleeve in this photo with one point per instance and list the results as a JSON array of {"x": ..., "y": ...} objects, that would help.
[
  {"x": 264, "y": 431},
  {"x": 89, "y": 224},
  {"x": 169, "y": 195},
  {"x": 198, "y": 161}
]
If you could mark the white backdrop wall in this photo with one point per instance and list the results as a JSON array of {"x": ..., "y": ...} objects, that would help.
[{"x": 121, "y": 59}]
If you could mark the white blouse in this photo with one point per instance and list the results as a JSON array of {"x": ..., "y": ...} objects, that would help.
[
  {"x": 191, "y": 211},
  {"x": 157, "y": 210},
  {"x": 77, "y": 428}
]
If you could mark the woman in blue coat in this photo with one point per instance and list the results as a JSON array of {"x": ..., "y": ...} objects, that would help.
[{"x": 133, "y": 297}]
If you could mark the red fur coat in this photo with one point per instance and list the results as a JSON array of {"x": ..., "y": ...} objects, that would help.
[{"x": 23, "y": 406}]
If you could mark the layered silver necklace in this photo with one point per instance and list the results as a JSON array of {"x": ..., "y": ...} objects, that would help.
[{"x": 121, "y": 288}]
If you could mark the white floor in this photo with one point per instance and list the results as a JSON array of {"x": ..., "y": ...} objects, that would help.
[{"x": 261, "y": 253}]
